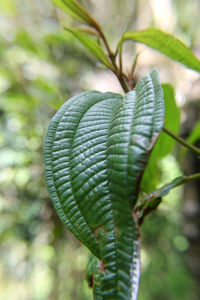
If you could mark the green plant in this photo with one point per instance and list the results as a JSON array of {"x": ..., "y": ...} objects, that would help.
[{"x": 97, "y": 156}]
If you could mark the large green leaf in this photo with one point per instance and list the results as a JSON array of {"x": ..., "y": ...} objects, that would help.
[
  {"x": 166, "y": 44},
  {"x": 96, "y": 150},
  {"x": 77, "y": 11},
  {"x": 92, "y": 46},
  {"x": 165, "y": 143}
]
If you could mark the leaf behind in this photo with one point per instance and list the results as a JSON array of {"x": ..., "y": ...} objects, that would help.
[{"x": 165, "y": 143}]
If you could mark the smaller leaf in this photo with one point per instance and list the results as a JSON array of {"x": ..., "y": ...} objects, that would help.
[
  {"x": 166, "y": 44},
  {"x": 92, "y": 46},
  {"x": 73, "y": 8}
]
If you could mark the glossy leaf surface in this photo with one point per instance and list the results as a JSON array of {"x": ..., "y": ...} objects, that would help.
[
  {"x": 166, "y": 44},
  {"x": 96, "y": 150}
]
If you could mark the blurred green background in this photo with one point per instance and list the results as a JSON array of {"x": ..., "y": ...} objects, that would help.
[{"x": 40, "y": 67}]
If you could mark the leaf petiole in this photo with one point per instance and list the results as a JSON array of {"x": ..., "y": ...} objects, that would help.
[
  {"x": 150, "y": 201},
  {"x": 182, "y": 141}
]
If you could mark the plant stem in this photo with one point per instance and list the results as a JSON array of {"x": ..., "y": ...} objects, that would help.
[
  {"x": 164, "y": 190},
  {"x": 182, "y": 141},
  {"x": 111, "y": 55},
  {"x": 121, "y": 77},
  {"x": 117, "y": 71},
  {"x": 131, "y": 73},
  {"x": 189, "y": 178}
]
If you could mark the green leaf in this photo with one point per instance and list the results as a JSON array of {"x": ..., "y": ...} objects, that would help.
[
  {"x": 165, "y": 143},
  {"x": 195, "y": 134},
  {"x": 96, "y": 149},
  {"x": 92, "y": 46},
  {"x": 166, "y": 44},
  {"x": 77, "y": 11}
]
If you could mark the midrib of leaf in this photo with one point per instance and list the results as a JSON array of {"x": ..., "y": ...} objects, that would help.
[
  {"x": 129, "y": 227},
  {"x": 133, "y": 93},
  {"x": 135, "y": 270},
  {"x": 78, "y": 9}
]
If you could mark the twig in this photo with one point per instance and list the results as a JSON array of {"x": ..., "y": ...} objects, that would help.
[{"x": 150, "y": 201}]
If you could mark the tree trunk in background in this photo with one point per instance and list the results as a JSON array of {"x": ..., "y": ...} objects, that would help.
[{"x": 191, "y": 206}]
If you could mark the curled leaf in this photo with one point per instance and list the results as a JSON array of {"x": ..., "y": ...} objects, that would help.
[{"x": 96, "y": 150}]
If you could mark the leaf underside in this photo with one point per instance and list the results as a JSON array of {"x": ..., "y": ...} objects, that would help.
[{"x": 97, "y": 147}]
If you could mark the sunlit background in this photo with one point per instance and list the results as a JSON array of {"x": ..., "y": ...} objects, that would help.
[{"x": 40, "y": 67}]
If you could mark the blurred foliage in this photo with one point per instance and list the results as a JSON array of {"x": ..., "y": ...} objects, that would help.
[{"x": 40, "y": 67}]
